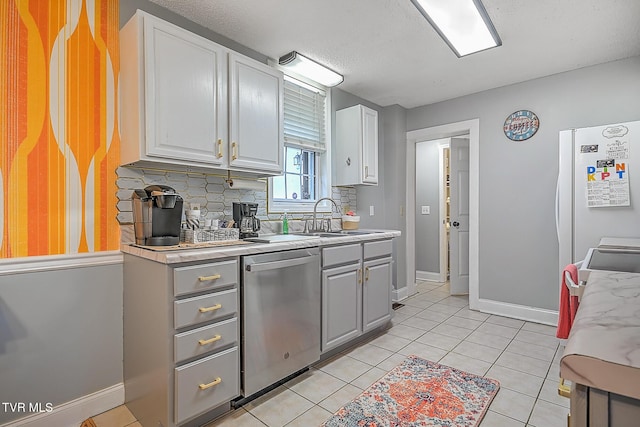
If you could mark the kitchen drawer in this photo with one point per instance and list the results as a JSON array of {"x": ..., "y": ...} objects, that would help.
[
  {"x": 206, "y": 339},
  {"x": 222, "y": 369},
  {"x": 204, "y": 277},
  {"x": 341, "y": 255},
  {"x": 378, "y": 249},
  {"x": 204, "y": 308}
]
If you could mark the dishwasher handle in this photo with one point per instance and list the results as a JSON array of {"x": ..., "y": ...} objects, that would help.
[{"x": 272, "y": 265}]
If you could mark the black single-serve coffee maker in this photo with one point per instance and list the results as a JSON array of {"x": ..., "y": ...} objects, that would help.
[
  {"x": 244, "y": 217},
  {"x": 157, "y": 213}
]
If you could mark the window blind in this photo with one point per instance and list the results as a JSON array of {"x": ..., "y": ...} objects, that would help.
[{"x": 304, "y": 116}]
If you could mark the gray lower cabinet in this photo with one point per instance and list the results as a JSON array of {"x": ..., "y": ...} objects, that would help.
[
  {"x": 356, "y": 290},
  {"x": 376, "y": 295},
  {"x": 591, "y": 407},
  {"x": 341, "y": 305},
  {"x": 181, "y": 340}
]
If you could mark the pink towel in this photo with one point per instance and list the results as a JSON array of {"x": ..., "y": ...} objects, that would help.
[{"x": 568, "y": 303}]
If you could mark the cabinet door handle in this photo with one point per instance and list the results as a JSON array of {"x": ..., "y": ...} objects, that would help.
[
  {"x": 212, "y": 308},
  {"x": 234, "y": 151},
  {"x": 563, "y": 389},
  {"x": 211, "y": 384},
  {"x": 359, "y": 275},
  {"x": 210, "y": 340},
  {"x": 366, "y": 274},
  {"x": 219, "y": 155},
  {"x": 366, "y": 171},
  {"x": 205, "y": 278}
]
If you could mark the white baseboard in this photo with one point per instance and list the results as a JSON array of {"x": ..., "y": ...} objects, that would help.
[
  {"x": 399, "y": 294},
  {"x": 72, "y": 414},
  {"x": 522, "y": 312},
  {"x": 428, "y": 275}
]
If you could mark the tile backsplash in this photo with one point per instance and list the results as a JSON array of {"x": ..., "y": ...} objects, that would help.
[{"x": 214, "y": 197}]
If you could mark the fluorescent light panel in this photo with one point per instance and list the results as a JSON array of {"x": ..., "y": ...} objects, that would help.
[
  {"x": 463, "y": 24},
  {"x": 309, "y": 68}
]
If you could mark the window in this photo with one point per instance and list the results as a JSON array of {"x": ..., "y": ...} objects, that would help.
[
  {"x": 299, "y": 179},
  {"x": 307, "y": 155}
]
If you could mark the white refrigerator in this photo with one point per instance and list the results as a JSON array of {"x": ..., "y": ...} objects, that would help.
[{"x": 598, "y": 192}]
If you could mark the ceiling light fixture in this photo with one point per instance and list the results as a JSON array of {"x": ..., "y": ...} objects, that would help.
[
  {"x": 463, "y": 24},
  {"x": 309, "y": 68}
]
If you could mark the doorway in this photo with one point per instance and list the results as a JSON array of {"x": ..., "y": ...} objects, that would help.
[
  {"x": 470, "y": 128},
  {"x": 442, "y": 201}
]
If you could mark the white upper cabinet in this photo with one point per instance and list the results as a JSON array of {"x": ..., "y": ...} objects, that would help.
[
  {"x": 187, "y": 101},
  {"x": 356, "y": 146},
  {"x": 255, "y": 115}
]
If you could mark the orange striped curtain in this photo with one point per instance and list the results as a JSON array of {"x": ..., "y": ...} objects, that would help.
[{"x": 59, "y": 138}]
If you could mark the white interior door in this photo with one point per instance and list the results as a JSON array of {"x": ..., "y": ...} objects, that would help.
[{"x": 459, "y": 205}]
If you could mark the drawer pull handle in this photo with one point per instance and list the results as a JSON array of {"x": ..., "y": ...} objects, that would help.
[
  {"x": 212, "y": 308},
  {"x": 205, "y": 278},
  {"x": 210, "y": 340},
  {"x": 564, "y": 390},
  {"x": 211, "y": 384}
]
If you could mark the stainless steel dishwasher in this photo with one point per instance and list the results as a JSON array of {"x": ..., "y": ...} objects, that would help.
[{"x": 281, "y": 326}]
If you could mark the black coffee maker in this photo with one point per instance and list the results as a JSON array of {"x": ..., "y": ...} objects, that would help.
[
  {"x": 244, "y": 217},
  {"x": 157, "y": 213}
]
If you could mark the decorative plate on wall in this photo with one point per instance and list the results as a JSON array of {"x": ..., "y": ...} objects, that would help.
[{"x": 521, "y": 125}]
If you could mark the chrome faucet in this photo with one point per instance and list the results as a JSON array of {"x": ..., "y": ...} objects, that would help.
[{"x": 315, "y": 208}]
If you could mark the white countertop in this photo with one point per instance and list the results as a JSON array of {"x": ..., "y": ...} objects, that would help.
[
  {"x": 202, "y": 254},
  {"x": 603, "y": 349}
]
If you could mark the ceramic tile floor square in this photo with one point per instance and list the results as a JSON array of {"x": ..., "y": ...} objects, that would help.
[{"x": 523, "y": 356}]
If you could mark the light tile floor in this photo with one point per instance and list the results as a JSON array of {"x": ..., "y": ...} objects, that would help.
[{"x": 523, "y": 356}]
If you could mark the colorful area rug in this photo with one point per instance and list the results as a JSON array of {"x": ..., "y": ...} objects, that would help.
[{"x": 419, "y": 393}]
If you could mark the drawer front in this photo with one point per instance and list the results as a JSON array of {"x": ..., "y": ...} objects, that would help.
[
  {"x": 205, "y": 340},
  {"x": 206, "y": 383},
  {"x": 341, "y": 255},
  {"x": 378, "y": 249},
  {"x": 204, "y": 277},
  {"x": 204, "y": 308}
]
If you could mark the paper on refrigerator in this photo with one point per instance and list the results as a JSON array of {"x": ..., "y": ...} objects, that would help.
[{"x": 608, "y": 178}]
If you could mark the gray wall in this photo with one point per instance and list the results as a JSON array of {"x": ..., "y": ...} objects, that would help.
[
  {"x": 393, "y": 159},
  {"x": 60, "y": 335},
  {"x": 518, "y": 244},
  {"x": 427, "y": 194}
]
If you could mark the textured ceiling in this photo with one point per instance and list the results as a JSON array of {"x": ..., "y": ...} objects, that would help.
[{"x": 389, "y": 54}]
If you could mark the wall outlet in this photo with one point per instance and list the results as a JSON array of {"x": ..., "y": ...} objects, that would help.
[
  {"x": 371, "y": 211},
  {"x": 426, "y": 210}
]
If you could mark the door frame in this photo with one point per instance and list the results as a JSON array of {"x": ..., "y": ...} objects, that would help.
[
  {"x": 442, "y": 233},
  {"x": 472, "y": 128}
]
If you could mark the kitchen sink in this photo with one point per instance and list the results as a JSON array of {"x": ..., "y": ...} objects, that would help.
[
  {"x": 273, "y": 238},
  {"x": 352, "y": 232},
  {"x": 339, "y": 233},
  {"x": 319, "y": 234}
]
